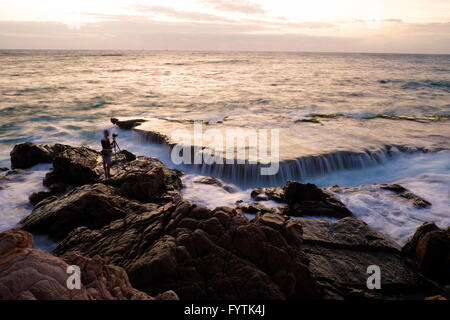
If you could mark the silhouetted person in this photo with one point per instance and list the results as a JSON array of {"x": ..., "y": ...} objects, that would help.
[{"x": 107, "y": 151}]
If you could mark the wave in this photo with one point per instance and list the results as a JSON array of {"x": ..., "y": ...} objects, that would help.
[
  {"x": 302, "y": 168},
  {"x": 415, "y": 85}
]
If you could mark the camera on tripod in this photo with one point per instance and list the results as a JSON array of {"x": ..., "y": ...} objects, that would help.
[{"x": 115, "y": 135}]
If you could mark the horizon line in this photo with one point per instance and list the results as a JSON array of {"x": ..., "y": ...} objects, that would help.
[{"x": 232, "y": 50}]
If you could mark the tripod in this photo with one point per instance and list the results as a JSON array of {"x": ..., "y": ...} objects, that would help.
[{"x": 116, "y": 147}]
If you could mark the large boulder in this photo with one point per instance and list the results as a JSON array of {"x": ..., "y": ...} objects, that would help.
[
  {"x": 341, "y": 252},
  {"x": 430, "y": 248},
  {"x": 93, "y": 206},
  {"x": 74, "y": 165},
  {"x": 147, "y": 179},
  {"x": 202, "y": 254},
  {"x": 26, "y": 155},
  {"x": 29, "y": 274},
  {"x": 310, "y": 200},
  {"x": 304, "y": 200}
]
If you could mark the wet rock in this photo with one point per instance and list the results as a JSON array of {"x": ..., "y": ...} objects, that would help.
[
  {"x": 4, "y": 169},
  {"x": 91, "y": 205},
  {"x": 30, "y": 274},
  {"x": 209, "y": 180},
  {"x": 309, "y": 200},
  {"x": 430, "y": 248},
  {"x": 25, "y": 155},
  {"x": 341, "y": 252},
  {"x": 202, "y": 253},
  {"x": 262, "y": 194},
  {"x": 254, "y": 208},
  {"x": 304, "y": 200},
  {"x": 127, "y": 124},
  {"x": 216, "y": 182},
  {"x": 147, "y": 179},
  {"x": 37, "y": 197},
  {"x": 404, "y": 193}
]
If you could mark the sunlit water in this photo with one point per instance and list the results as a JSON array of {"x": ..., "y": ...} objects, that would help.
[{"x": 69, "y": 96}]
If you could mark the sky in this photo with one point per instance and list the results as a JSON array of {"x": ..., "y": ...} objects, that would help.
[{"x": 393, "y": 26}]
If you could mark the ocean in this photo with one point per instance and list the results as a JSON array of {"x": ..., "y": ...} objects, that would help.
[{"x": 354, "y": 120}]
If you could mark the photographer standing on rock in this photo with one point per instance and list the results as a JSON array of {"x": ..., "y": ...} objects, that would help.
[{"x": 107, "y": 150}]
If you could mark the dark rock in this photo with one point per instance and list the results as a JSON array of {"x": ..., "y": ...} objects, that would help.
[
  {"x": 341, "y": 252},
  {"x": 26, "y": 155},
  {"x": 30, "y": 274},
  {"x": 202, "y": 254},
  {"x": 406, "y": 194},
  {"x": 430, "y": 248},
  {"x": 309, "y": 200},
  {"x": 76, "y": 165},
  {"x": 254, "y": 208},
  {"x": 128, "y": 155},
  {"x": 147, "y": 179},
  {"x": 127, "y": 124},
  {"x": 37, "y": 197},
  {"x": 274, "y": 194},
  {"x": 4, "y": 169},
  {"x": 91, "y": 205}
]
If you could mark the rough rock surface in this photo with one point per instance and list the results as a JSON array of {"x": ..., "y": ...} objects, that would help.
[
  {"x": 304, "y": 200},
  {"x": 341, "y": 252},
  {"x": 147, "y": 179},
  {"x": 406, "y": 194},
  {"x": 74, "y": 165},
  {"x": 28, "y": 274},
  {"x": 26, "y": 155},
  {"x": 93, "y": 206},
  {"x": 202, "y": 254},
  {"x": 430, "y": 248}
]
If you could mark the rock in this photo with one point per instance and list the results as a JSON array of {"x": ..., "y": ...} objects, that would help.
[
  {"x": 303, "y": 200},
  {"x": 216, "y": 182},
  {"x": 201, "y": 253},
  {"x": 147, "y": 179},
  {"x": 430, "y": 248},
  {"x": 127, "y": 124},
  {"x": 254, "y": 208},
  {"x": 4, "y": 169},
  {"x": 75, "y": 165},
  {"x": 341, "y": 252},
  {"x": 30, "y": 274},
  {"x": 37, "y": 197},
  {"x": 262, "y": 194},
  {"x": 128, "y": 155},
  {"x": 436, "y": 298},
  {"x": 91, "y": 205},
  {"x": 25, "y": 155},
  {"x": 209, "y": 180},
  {"x": 404, "y": 193},
  {"x": 309, "y": 200}
]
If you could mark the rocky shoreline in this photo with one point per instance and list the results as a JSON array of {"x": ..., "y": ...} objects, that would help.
[{"x": 134, "y": 237}]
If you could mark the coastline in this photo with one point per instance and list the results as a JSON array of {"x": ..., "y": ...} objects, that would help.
[{"x": 139, "y": 221}]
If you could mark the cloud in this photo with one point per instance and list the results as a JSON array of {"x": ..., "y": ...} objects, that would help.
[
  {"x": 128, "y": 32},
  {"x": 241, "y": 6},
  {"x": 180, "y": 14}
]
